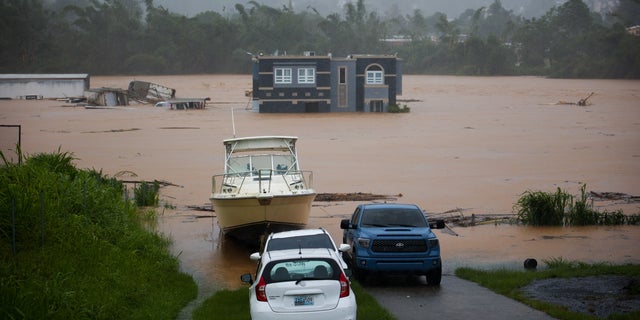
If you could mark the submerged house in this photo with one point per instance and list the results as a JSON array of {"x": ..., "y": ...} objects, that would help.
[
  {"x": 311, "y": 83},
  {"x": 43, "y": 86},
  {"x": 108, "y": 97}
]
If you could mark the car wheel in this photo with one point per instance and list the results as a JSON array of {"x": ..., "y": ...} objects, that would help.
[{"x": 434, "y": 277}]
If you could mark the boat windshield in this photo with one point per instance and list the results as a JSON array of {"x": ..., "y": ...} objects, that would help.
[{"x": 279, "y": 164}]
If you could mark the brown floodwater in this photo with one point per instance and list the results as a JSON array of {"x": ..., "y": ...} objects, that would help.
[{"x": 469, "y": 144}]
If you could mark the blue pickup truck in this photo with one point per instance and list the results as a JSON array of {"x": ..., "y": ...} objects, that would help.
[{"x": 392, "y": 238}]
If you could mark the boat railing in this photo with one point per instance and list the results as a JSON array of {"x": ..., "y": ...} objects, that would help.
[{"x": 261, "y": 181}]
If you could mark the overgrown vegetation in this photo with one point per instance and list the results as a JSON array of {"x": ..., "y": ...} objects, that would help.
[
  {"x": 147, "y": 194},
  {"x": 234, "y": 305},
  {"x": 138, "y": 37},
  {"x": 73, "y": 247},
  {"x": 394, "y": 108},
  {"x": 541, "y": 208},
  {"x": 508, "y": 283}
]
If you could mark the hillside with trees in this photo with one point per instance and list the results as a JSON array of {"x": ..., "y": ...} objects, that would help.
[{"x": 133, "y": 37}]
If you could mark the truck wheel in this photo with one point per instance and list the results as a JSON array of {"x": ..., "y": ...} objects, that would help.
[
  {"x": 360, "y": 274},
  {"x": 434, "y": 277}
]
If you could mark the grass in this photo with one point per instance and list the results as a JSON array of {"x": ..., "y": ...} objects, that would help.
[
  {"x": 540, "y": 208},
  {"x": 72, "y": 247},
  {"x": 509, "y": 282},
  {"x": 234, "y": 304}
]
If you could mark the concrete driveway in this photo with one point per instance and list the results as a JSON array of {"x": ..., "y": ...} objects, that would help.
[{"x": 409, "y": 298}]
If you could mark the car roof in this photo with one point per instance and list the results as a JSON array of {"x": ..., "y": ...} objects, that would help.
[
  {"x": 389, "y": 205},
  {"x": 297, "y": 233},
  {"x": 298, "y": 253}
]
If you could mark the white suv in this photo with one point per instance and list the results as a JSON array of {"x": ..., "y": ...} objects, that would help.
[
  {"x": 301, "y": 283},
  {"x": 303, "y": 239}
]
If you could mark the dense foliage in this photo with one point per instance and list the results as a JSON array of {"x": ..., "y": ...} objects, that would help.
[
  {"x": 132, "y": 37},
  {"x": 73, "y": 247}
]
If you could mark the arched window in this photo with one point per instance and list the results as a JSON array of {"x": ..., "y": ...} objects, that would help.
[{"x": 375, "y": 74}]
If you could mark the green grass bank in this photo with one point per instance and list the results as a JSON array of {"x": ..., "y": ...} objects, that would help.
[
  {"x": 74, "y": 246},
  {"x": 510, "y": 283}
]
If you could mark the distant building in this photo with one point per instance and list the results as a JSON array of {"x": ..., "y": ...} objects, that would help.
[
  {"x": 43, "y": 86},
  {"x": 310, "y": 83},
  {"x": 634, "y": 31}
]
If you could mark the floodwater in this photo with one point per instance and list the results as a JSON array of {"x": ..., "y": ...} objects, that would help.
[{"x": 469, "y": 144}]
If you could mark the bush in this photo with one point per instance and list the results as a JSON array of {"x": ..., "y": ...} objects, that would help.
[
  {"x": 394, "y": 108},
  {"x": 147, "y": 194},
  {"x": 540, "y": 208},
  {"x": 72, "y": 247}
]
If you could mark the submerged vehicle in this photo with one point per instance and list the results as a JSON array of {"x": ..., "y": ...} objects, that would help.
[{"x": 262, "y": 189}]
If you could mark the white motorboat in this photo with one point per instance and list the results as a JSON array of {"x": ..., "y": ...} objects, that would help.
[{"x": 263, "y": 189}]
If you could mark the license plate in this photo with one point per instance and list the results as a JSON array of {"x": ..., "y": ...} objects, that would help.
[{"x": 303, "y": 300}]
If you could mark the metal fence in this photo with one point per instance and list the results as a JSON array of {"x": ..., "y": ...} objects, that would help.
[
  {"x": 14, "y": 232},
  {"x": 10, "y": 142}
]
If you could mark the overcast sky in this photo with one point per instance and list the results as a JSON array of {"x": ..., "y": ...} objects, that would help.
[{"x": 452, "y": 8}]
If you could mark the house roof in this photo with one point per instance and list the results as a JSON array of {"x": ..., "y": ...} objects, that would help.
[{"x": 44, "y": 76}]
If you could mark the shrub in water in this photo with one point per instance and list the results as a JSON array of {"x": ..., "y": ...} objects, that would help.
[
  {"x": 541, "y": 208},
  {"x": 394, "y": 108},
  {"x": 147, "y": 194},
  {"x": 554, "y": 209}
]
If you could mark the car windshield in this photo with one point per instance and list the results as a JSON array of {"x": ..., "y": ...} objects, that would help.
[
  {"x": 393, "y": 217},
  {"x": 300, "y": 242},
  {"x": 301, "y": 269}
]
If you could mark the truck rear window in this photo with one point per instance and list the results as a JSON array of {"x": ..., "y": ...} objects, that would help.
[{"x": 301, "y": 242}]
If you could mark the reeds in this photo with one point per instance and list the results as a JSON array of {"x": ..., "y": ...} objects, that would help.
[{"x": 540, "y": 208}]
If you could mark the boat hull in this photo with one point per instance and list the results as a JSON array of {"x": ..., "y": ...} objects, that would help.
[{"x": 248, "y": 219}]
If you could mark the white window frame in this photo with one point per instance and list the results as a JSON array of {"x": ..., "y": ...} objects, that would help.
[
  {"x": 375, "y": 77},
  {"x": 282, "y": 76},
  {"x": 307, "y": 75}
]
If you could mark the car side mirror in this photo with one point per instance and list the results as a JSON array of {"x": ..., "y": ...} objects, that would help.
[
  {"x": 344, "y": 247},
  {"x": 246, "y": 278},
  {"x": 255, "y": 256},
  {"x": 439, "y": 224},
  {"x": 345, "y": 224}
]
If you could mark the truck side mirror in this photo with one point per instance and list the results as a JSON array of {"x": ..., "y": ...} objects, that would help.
[
  {"x": 439, "y": 224},
  {"x": 345, "y": 224}
]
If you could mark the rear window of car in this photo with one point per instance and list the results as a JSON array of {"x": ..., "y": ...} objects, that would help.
[
  {"x": 300, "y": 242},
  {"x": 393, "y": 217},
  {"x": 301, "y": 269}
]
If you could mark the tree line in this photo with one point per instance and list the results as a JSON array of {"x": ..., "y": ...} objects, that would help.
[{"x": 131, "y": 37}]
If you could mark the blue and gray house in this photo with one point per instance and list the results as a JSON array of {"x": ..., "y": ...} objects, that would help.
[{"x": 312, "y": 83}]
